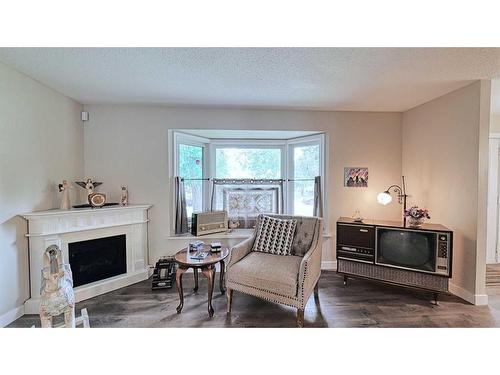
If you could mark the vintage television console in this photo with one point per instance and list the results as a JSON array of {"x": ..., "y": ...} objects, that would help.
[
  {"x": 209, "y": 222},
  {"x": 392, "y": 253}
]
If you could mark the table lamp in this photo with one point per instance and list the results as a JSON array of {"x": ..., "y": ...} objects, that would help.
[{"x": 385, "y": 197}]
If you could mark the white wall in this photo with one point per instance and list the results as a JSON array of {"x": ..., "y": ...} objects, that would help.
[
  {"x": 445, "y": 152},
  {"x": 41, "y": 143},
  {"x": 494, "y": 123},
  {"x": 492, "y": 226},
  {"x": 127, "y": 144}
]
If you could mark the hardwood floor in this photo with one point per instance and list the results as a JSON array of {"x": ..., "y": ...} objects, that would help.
[
  {"x": 493, "y": 274},
  {"x": 361, "y": 304}
]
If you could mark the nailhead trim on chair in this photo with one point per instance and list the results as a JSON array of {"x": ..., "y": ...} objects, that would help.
[
  {"x": 265, "y": 297},
  {"x": 264, "y": 290}
]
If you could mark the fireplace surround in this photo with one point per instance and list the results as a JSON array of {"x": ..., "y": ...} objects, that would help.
[
  {"x": 78, "y": 229},
  {"x": 97, "y": 259}
]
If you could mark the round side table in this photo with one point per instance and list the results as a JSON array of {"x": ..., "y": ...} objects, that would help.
[{"x": 185, "y": 261}]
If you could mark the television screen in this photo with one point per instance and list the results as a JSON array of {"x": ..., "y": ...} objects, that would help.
[{"x": 409, "y": 249}]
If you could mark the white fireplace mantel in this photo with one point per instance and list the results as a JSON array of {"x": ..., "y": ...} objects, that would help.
[{"x": 61, "y": 227}]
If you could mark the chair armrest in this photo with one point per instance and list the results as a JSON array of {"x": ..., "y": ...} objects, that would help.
[
  {"x": 241, "y": 250},
  {"x": 310, "y": 266}
]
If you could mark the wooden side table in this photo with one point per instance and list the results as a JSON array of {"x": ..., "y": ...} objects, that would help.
[{"x": 207, "y": 266}]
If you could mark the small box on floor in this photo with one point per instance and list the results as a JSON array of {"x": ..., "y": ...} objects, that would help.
[{"x": 164, "y": 273}]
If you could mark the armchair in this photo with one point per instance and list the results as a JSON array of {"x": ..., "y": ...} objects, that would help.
[{"x": 289, "y": 280}]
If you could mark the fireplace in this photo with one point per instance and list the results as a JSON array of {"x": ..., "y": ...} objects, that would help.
[
  {"x": 118, "y": 257},
  {"x": 97, "y": 259}
]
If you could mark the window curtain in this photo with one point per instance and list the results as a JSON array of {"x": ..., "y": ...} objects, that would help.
[
  {"x": 318, "y": 197},
  {"x": 181, "y": 223},
  {"x": 245, "y": 199}
]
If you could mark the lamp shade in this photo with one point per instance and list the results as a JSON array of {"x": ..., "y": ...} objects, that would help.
[{"x": 384, "y": 198}]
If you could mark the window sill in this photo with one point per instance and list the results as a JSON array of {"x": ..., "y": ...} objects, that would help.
[{"x": 235, "y": 234}]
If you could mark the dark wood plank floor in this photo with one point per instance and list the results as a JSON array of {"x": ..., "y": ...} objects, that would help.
[
  {"x": 493, "y": 274},
  {"x": 361, "y": 304}
]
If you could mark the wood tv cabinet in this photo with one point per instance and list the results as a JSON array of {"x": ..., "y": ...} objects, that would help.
[{"x": 389, "y": 252}]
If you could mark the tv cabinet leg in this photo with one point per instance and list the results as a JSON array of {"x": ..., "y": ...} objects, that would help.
[
  {"x": 436, "y": 301},
  {"x": 345, "y": 280}
]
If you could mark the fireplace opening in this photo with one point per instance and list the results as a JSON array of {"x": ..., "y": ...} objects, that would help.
[{"x": 97, "y": 259}]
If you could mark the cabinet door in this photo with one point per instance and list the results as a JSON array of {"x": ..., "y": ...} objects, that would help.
[{"x": 356, "y": 235}]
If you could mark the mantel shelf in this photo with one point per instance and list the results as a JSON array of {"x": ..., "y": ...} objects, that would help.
[{"x": 78, "y": 211}]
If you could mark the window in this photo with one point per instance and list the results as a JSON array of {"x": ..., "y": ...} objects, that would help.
[
  {"x": 305, "y": 166},
  {"x": 190, "y": 159},
  {"x": 242, "y": 162},
  {"x": 213, "y": 170}
]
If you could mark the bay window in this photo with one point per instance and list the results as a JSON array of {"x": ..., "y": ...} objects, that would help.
[{"x": 247, "y": 177}]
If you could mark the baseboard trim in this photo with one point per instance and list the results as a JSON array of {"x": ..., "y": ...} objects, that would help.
[
  {"x": 11, "y": 315},
  {"x": 475, "y": 299},
  {"x": 329, "y": 265}
]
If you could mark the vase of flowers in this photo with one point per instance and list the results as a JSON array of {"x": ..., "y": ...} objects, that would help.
[{"x": 416, "y": 216}]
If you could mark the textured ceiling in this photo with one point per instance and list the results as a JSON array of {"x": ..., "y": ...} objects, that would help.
[{"x": 368, "y": 79}]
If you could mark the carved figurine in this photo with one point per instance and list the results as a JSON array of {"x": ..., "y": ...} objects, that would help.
[
  {"x": 64, "y": 189},
  {"x": 94, "y": 199},
  {"x": 57, "y": 289},
  {"x": 89, "y": 185},
  {"x": 124, "y": 197}
]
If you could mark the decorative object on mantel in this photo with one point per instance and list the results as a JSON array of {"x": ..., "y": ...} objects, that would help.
[
  {"x": 57, "y": 296},
  {"x": 164, "y": 273},
  {"x": 94, "y": 199},
  {"x": 355, "y": 177},
  {"x": 64, "y": 189},
  {"x": 385, "y": 197},
  {"x": 124, "y": 197},
  {"x": 356, "y": 216},
  {"x": 89, "y": 185},
  {"x": 416, "y": 216}
]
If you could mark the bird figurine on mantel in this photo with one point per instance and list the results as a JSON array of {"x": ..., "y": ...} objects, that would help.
[
  {"x": 89, "y": 185},
  {"x": 94, "y": 199}
]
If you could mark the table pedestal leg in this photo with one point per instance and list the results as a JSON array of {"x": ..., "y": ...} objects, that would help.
[
  {"x": 222, "y": 281},
  {"x": 178, "y": 278},
  {"x": 209, "y": 273},
  {"x": 195, "y": 270}
]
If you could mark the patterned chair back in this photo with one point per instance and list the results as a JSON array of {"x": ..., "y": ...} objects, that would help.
[{"x": 304, "y": 232}]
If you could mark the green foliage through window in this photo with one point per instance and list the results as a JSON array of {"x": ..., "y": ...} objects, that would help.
[{"x": 248, "y": 163}]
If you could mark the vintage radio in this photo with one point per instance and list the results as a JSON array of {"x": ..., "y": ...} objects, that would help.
[{"x": 209, "y": 222}]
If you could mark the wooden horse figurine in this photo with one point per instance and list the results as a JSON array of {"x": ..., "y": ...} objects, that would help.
[{"x": 57, "y": 289}]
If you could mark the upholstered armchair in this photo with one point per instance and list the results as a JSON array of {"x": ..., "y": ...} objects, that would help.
[{"x": 285, "y": 279}]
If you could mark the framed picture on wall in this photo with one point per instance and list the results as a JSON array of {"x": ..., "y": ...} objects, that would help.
[{"x": 355, "y": 177}]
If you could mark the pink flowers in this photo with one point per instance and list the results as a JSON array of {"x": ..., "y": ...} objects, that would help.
[{"x": 417, "y": 213}]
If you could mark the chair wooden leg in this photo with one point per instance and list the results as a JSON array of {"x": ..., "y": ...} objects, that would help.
[
  {"x": 229, "y": 294},
  {"x": 300, "y": 318}
]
